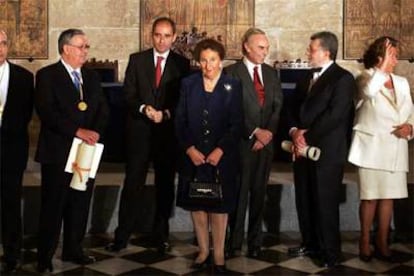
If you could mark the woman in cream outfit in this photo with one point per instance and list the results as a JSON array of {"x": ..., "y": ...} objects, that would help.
[{"x": 383, "y": 125}]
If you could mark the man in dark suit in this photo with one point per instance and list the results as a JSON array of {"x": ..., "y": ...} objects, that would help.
[
  {"x": 151, "y": 86},
  {"x": 262, "y": 101},
  {"x": 70, "y": 103},
  {"x": 16, "y": 106},
  {"x": 323, "y": 119}
]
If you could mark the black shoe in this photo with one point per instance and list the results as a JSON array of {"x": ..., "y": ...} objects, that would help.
[
  {"x": 325, "y": 261},
  {"x": 385, "y": 258},
  {"x": 9, "y": 267},
  {"x": 365, "y": 258},
  {"x": 254, "y": 252},
  {"x": 82, "y": 260},
  {"x": 164, "y": 247},
  {"x": 220, "y": 270},
  {"x": 199, "y": 266},
  {"x": 42, "y": 267},
  {"x": 331, "y": 262},
  {"x": 300, "y": 251},
  {"x": 114, "y": 247}
]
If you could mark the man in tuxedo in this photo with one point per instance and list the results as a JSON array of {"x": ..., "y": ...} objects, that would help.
[
  {"x": 323, "y": 118},
  {"x": 16, "y": 106},
  {"x": 152, "y": 81},
  {"x": 70, "y": 103},
  {"x": 262, "y": 101}
]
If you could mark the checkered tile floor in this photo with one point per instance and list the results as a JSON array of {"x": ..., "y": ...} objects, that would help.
[{"x": 141, "y": 259}]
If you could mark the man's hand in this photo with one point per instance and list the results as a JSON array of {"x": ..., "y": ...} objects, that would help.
[
  {"x": 264, "y": 136},
  {"x": 196, "y": 156},
  {"x": 157, "y": 118},
  {"x": 149, "y": 112},
  {"x": 215, "y": 156},
  {"x": 257, "y": 146},
  {"x": 153, "y": 114},
  {"x": 299, "y": 141},
  {"x": 89, "y": 136}
]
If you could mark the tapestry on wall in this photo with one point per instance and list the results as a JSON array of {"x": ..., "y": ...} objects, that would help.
[
  {"x": 223, "y": 20},
  {"x": 25, "y": 22},
  {"x": 366, "y": 20}
]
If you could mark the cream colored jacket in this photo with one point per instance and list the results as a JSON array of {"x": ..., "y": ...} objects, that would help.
[{"x": 373, "y": 146}]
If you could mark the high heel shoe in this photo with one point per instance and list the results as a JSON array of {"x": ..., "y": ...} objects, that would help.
[
  {"x": 365, "y": 258},
  {"x": 389, "y": 258},
  {"x": 220, "y": 269},
  {"x": 199, "y": 266},
  {"x": 385, "y": 258}
]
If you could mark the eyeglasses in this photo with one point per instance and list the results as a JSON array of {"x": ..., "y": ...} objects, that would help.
[{"x": 81, "y": 47}]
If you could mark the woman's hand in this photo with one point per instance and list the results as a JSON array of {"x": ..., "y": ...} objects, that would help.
[
  {"x": 215, "y": 156},
  {"x": 196, "y": 156},
  {"x": 404, "y": 131},
  {"x": 388, "y": 62}
]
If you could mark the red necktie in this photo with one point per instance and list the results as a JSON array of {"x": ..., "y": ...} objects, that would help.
[
  {"x": 258, "y": 86},
  {"x": 158, "y": 71}
]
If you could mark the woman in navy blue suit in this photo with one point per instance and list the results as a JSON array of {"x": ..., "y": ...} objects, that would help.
[{"x": 208, "y": 127}]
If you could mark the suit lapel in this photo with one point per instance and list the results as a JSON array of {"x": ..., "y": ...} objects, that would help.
[
  {"x": 323, "y": 80},
  {"x": 11, "y": 97},
  {"x": 248, "y": 85},
  {"x": 68, "y": 90},
  {"x": 168, "y": 69},
  {"x": 267, "y": 82},
  {"x": 149, "y": 67}
]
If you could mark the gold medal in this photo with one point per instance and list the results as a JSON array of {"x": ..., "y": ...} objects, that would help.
[{"x": 82, "y": 106}]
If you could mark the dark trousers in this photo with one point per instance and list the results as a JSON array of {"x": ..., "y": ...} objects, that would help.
[
  {"x": 317, "y": 191},
  {"x": 254, "y": 178},
  {"x": 11, "y": 192},
  {"x": 139, "y": 155},
  {"x": 61, "y": 203}
]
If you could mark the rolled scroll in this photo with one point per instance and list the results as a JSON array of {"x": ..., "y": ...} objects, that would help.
[
  {"x": 81, "y": 167},
  {"x": 312, "y": 153}
]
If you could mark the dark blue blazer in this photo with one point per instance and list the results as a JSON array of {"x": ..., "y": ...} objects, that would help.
[{"x": 224, "y": 108}]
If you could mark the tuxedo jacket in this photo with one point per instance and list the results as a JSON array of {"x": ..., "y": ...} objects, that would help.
[
  {"x": 139, "y": 88},
  {"x": 16, "y": 117},
  {"x": 266, "y": 117},
  {"x": 373, "y": 145},
  {"x": 326, "y": 111},
  {"x": 56, "y": 103}
]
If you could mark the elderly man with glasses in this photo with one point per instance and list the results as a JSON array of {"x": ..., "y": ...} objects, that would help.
[{"x": 70, "y": 103}]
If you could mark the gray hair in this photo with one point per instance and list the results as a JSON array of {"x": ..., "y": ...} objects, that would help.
[
  {"x": 328, "y": 42},
  {"x": 66, "y": 36},
  {"x": 248, "y": 34}
]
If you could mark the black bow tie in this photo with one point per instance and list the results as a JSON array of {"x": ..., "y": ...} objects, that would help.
[{"x": 315, "y": 69}]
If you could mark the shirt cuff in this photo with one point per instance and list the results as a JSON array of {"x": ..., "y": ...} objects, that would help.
[
  {"x": 166, "y": 115},
  {"x": 291, "y": 130},
  {"x": 141, "y": 108},
  {"x": 253, "y": 133}
]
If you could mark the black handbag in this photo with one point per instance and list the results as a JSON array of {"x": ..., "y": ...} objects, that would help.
[{"x": 206, "y": 192}]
